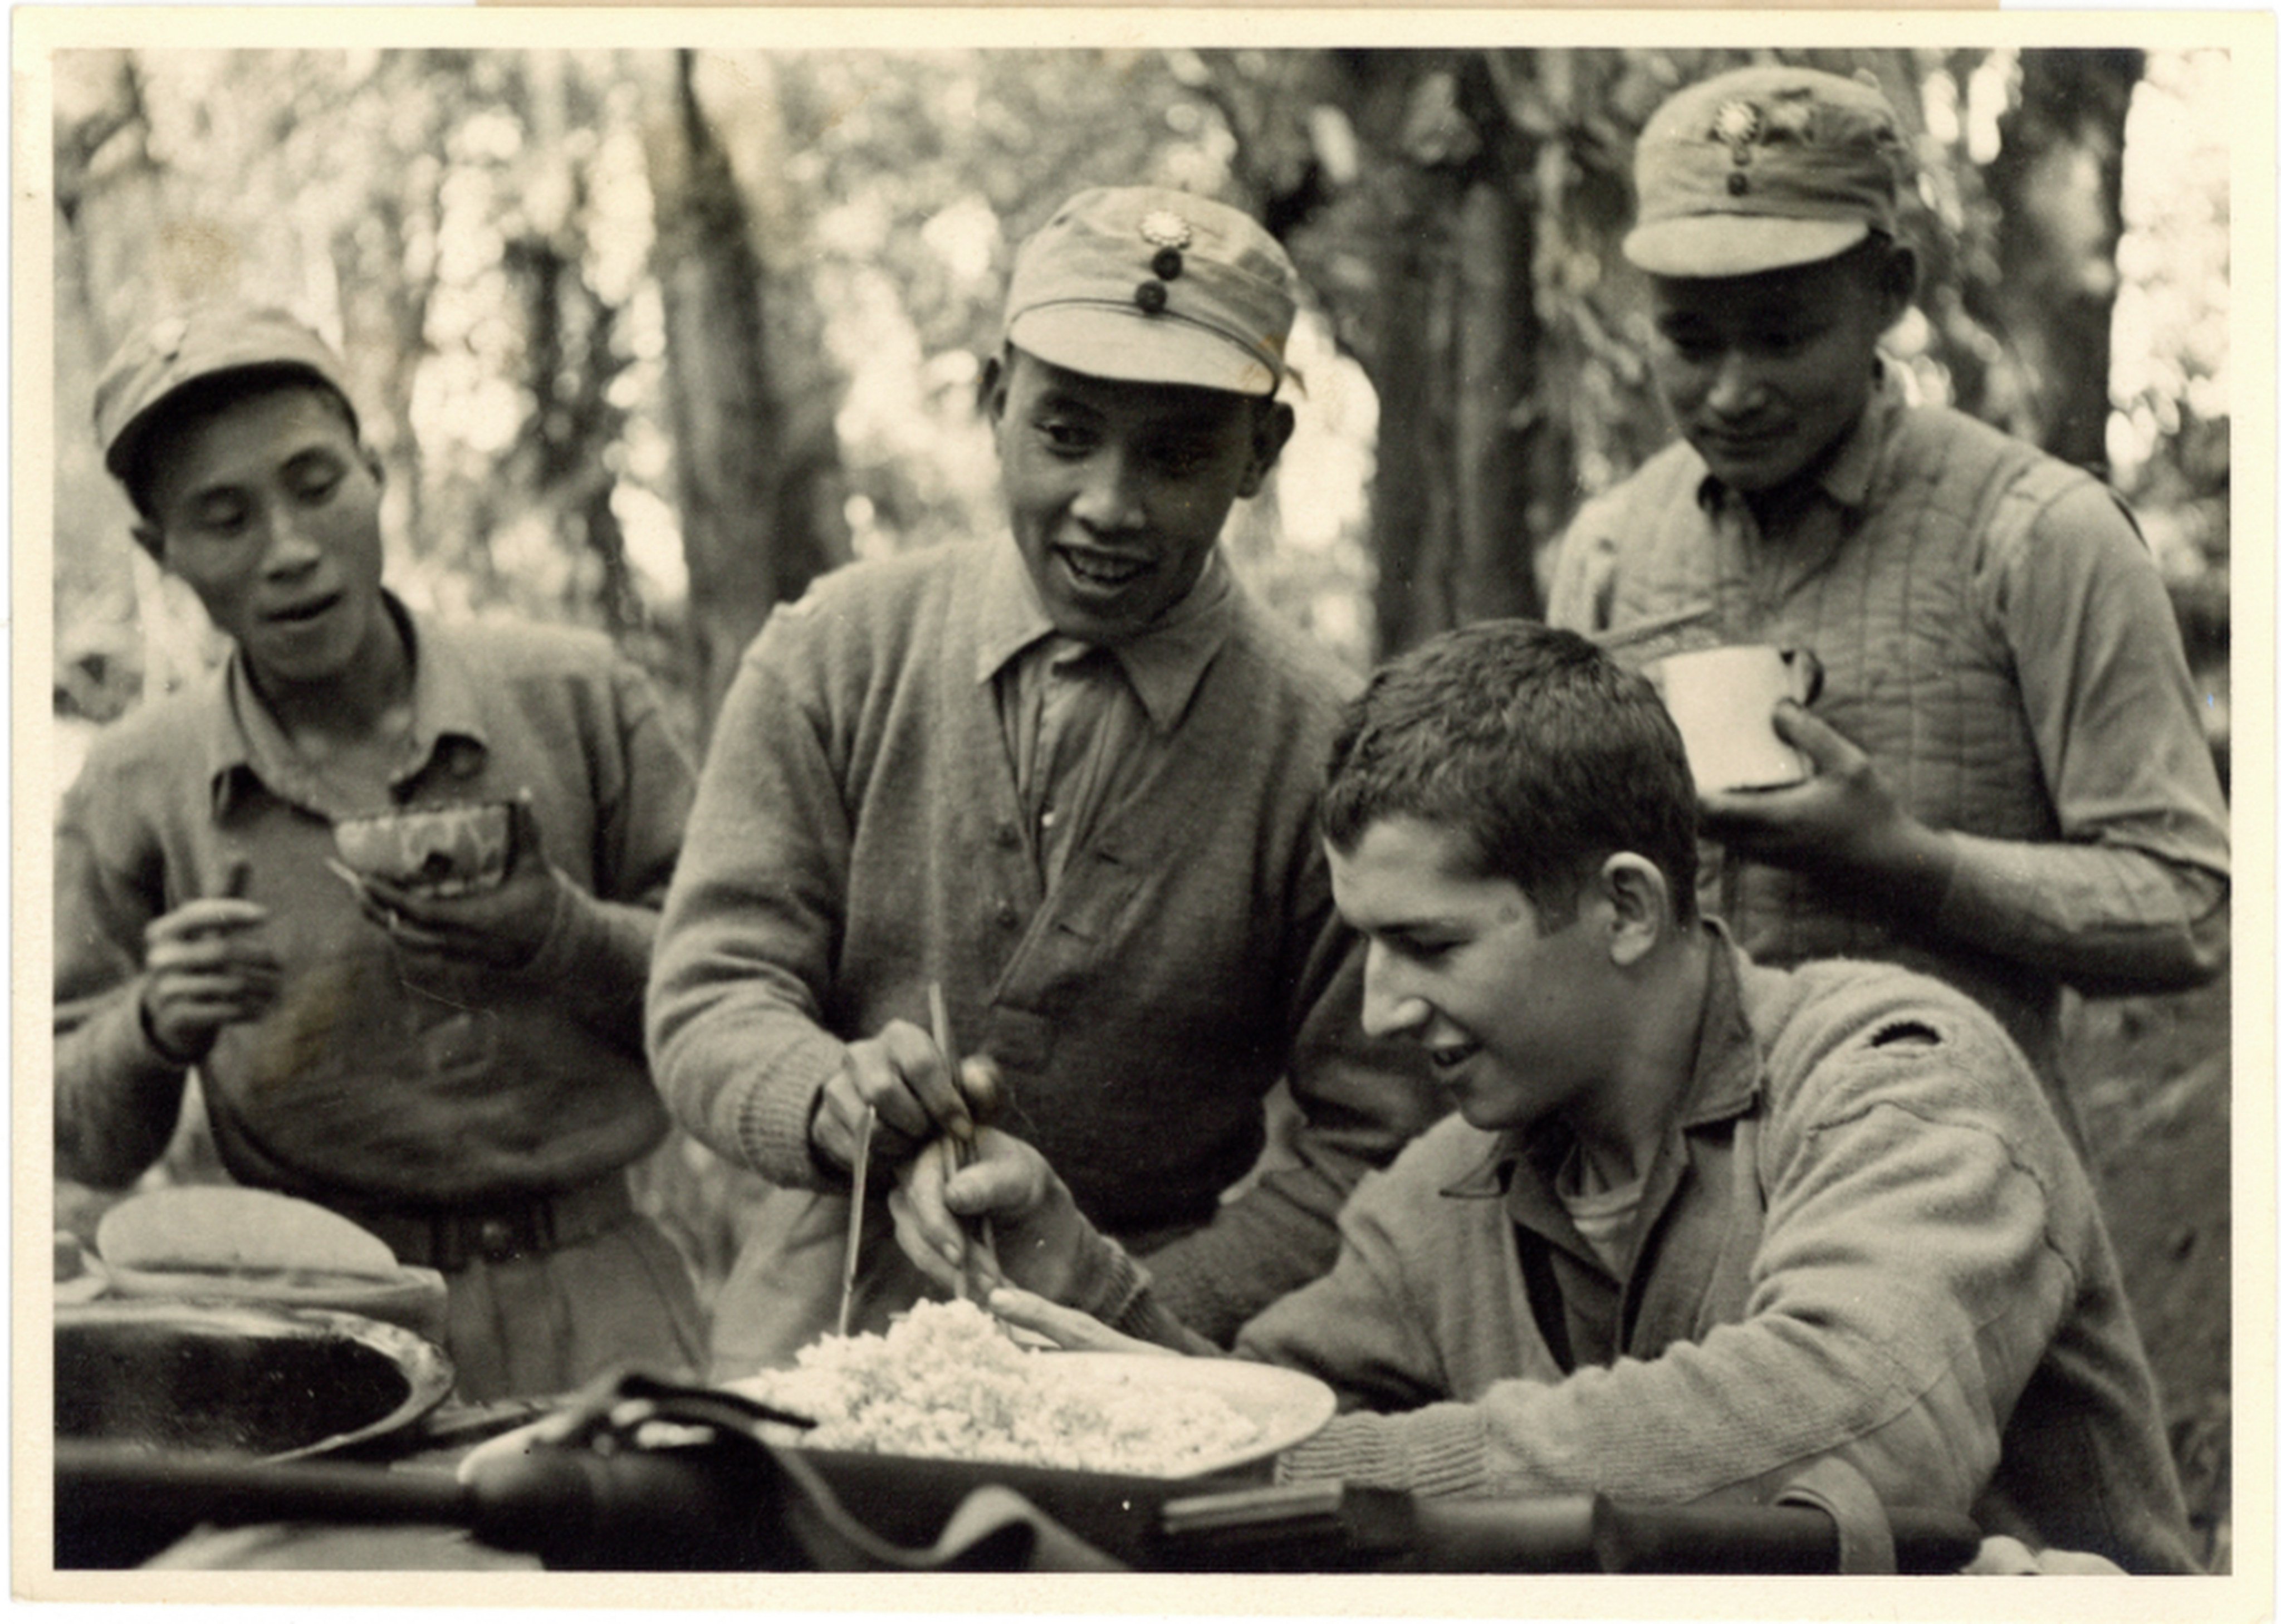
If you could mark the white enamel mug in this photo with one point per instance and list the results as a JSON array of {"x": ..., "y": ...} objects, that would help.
[{"x": 1724, "y": 700}]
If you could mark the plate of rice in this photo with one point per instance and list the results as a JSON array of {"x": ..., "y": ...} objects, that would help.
[{"x": 946, "y": 1382}]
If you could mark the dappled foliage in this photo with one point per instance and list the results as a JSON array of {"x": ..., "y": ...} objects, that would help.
[{"x": 481, "y": 232}]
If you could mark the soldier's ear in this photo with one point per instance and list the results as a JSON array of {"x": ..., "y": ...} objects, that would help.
[
  {"x": 990, "y": 393},
  {"x": 1639, "y": 905},
  {"x": 1271, "y": 431}
]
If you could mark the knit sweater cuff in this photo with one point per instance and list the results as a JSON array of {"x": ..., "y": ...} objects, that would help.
[
  {"x": 1440, "y": 1451},
  {"x": 771, "y": 1114}
]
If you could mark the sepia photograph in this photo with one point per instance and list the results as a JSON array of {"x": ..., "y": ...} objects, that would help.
[{"x": 1323, "y": 814}]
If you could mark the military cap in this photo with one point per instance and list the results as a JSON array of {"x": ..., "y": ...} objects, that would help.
[
  {"x": 174, "y": 351},
  {"x": 1764, "y": 167},
  {"x": 1155, "y": 286}
]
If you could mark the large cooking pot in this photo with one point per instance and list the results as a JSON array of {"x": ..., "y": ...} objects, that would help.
[{"x": 269, "y": 1383}]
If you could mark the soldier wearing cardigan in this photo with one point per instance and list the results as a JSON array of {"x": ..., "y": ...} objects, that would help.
[{"x": 1068, "y": 773}]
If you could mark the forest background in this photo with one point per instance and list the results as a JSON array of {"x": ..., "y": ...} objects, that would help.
[{"x": 646, "y": 339}]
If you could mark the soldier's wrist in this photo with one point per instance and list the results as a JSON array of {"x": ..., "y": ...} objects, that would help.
[{"x": 169, "y": 1053}]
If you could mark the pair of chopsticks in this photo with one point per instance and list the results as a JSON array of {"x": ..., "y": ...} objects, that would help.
[
  {"x": 962, "y": 1148},
  {"x": 961, "y": 1151}
]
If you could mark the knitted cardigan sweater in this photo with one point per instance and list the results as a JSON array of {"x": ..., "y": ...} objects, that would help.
[{"x": 857, "y": 834}]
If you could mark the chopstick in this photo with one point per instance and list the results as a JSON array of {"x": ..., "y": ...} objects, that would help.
[
  {"x": 862, "y": 1172},
  {"x": 938, "y": 1014}
]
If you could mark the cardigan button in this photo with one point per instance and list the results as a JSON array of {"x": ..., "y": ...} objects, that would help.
[
  {"x": 1007, "y": 836},
  {"x": 1006, "y": 914}
]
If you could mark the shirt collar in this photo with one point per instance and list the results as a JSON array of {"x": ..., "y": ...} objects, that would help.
[
  {"x": 1723, "y": 1082},
  {"x": 1163, "y": 665},
  {"x": 1844, "y": 476},
  {"x": 446, "y": 709}
]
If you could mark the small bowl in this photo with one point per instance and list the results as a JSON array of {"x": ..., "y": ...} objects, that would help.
[{"x": 441, "y": 851}]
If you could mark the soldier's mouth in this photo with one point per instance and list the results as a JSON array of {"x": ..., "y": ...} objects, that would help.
[{"x": 1104, "y": 570}]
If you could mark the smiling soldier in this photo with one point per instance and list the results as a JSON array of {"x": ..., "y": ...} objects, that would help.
[
  {"x": 462, "y": 1075},
  {"x": 1697, "y": 1227},
  {"x": 1069, "y": 774},
  {"x": 2011, "y": 788}
]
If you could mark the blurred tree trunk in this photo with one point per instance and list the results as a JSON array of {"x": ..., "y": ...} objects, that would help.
[
  {"x": 2058, "y": 183},
  {"x": 570, "y": 357},
  {"x": 1401, "y": 189},
  {"x": 754, "y": 531}
]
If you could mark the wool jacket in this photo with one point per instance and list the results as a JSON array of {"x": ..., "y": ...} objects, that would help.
[
  {"x": 1863, "y": 1233},
  {"x": 370, "y": 1086},
  {"x": 858, "y": 834},
  {"x": 1995, "y": 635}
]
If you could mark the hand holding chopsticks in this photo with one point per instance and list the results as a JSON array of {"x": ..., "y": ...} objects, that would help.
[{"x": 896, "y": 1093}]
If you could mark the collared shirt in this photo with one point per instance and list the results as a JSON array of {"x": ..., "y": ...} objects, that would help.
[
  {"x": 378, "y": 1080},
  {"x": 1083, "y": 724},
  {"x": 1605, "y": 1309},
  {"x": 247, "y": 751},
  {"x": 858, "y": 837}
]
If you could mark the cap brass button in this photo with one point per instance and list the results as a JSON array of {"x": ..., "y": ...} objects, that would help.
[
  {"x": 1150, "y": 297},
  {"x": 1737, "y": 182},
  {"x": 1166, "y": 264}
]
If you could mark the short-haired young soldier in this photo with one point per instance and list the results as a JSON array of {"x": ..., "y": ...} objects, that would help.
[
  {"x": 1697, "y": 1225},
  {"x": 2013, "y": 790},
  {"x": 462, "y": 1075}
]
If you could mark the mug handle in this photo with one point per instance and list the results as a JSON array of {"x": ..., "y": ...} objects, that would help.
[{"x": 1804, "y": 674}]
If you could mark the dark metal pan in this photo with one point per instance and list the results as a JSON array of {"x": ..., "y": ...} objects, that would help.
[{"x": 260, "y": 1382}]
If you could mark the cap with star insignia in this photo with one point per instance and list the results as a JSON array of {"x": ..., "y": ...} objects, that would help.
[
  {"x": 1155, "y": 286},
  {"x": 1765, "y": 168}
]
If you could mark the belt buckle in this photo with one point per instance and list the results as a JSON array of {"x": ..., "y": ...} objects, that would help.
[
  {"x": 498, "y": 1239},
  {"x": 522, "y": 1231}
]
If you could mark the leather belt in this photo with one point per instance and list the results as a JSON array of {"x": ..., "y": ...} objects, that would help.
[{"x": 451, "y": 1238}]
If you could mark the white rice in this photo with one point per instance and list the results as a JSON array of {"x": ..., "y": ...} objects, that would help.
[{"x": 947, "y": 1382}]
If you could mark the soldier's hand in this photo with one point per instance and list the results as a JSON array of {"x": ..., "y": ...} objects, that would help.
[
  {"x": 502, "y": 928},
  {"x": 1843, "y": 821},
  {"x": 1069, "y": 1329},
  {"x": 900, "y": 1073},
  {"x": 1042, "y": 1238},
  {"x": 206, "y": 965}
]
